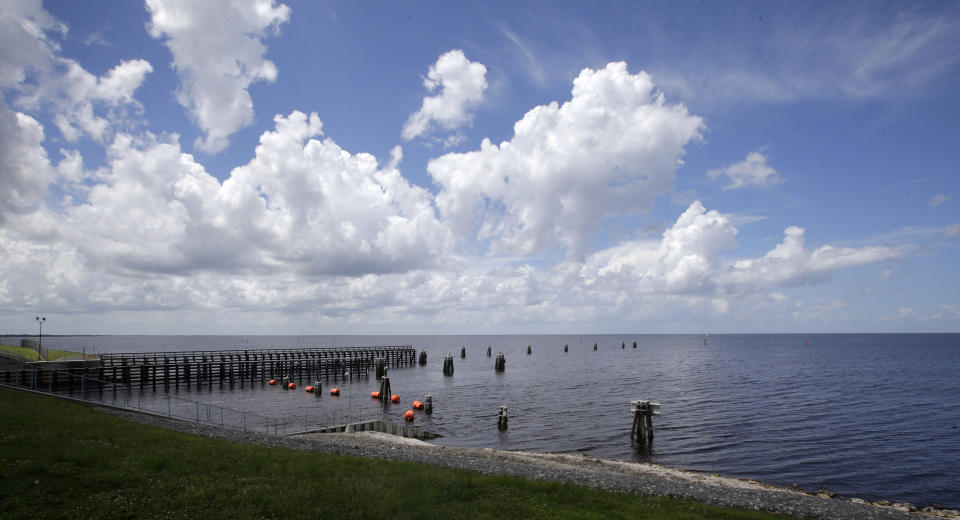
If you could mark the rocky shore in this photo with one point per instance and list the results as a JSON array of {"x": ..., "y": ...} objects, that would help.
[{"x": 637, "y": 478}]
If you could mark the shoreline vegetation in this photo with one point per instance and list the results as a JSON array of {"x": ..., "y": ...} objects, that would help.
[
  {"x": 65, "y": 459},
  {"x": 29, "y": 354}
]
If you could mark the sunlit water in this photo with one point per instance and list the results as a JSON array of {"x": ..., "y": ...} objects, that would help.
[{"x": 872, "y": 416}]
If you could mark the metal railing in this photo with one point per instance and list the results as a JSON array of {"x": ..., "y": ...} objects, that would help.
[{"x": 63, "y": 383}]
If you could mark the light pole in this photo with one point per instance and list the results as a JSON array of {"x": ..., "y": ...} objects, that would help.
[{"x": 40, "y": 320}]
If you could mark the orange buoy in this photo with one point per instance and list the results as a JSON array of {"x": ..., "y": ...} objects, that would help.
[
  {"x": 417, "y": 405},
  {"x": 291, "y": 386},
  {"x": 273, "y": 381},
  {"x": 408, "y": 415},
  {"x": 395, "y": 398},
  {"x": 375, "y": 395},
  {"x": 334, "y": 391},
  {"x": 309, "y": 388}
]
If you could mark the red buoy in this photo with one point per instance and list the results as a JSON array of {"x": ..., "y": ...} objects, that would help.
[
  {"x": 334, "y": 391},
  {"x": 395, "y": 398},
  {"x": 309, "y": 388},
  {"x": 408, "y": 415},
  {"x": 375, "y": 395},
  {"x": 417, "y": 405},
  {"x": 273, "y": 381},
  {"x": 291, "y": 386}
]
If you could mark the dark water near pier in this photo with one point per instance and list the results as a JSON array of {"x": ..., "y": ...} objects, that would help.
[{"x": 867, "y": 415}]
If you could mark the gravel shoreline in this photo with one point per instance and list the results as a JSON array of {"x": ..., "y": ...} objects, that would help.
[{"x": 636, "y": 478}]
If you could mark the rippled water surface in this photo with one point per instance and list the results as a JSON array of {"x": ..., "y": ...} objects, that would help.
[{"x": 869, "y": 415}]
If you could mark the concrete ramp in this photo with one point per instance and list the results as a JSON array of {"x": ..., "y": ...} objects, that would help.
[{"x": 378, "y": 426}]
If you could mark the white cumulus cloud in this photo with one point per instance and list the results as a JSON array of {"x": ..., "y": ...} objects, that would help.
[
  {"x": 461, "y": 84},
  {"x": 752, "y": 171},
  {"x": 685, "y": 259},
  {"x": 689, "y": 260},
  {"x": 609, "y": 150},
  {"x": 301, "y": 205},
  {"x": 218, "y": 53},
  {"x": 790, "y": 263},
  {"x": 25, "y": 171},
  {"x": 80, "y": 102}
]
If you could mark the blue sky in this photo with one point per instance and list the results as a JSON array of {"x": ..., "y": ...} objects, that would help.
[{"x": 245, "y": 167}]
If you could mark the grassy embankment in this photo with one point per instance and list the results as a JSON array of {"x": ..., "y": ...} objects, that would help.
[
  {"x": 29, "y": 354},
  {"x": 63, "y": 460}
]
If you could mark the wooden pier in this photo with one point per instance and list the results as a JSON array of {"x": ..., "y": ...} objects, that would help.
[{"x": 206, "y": 367}]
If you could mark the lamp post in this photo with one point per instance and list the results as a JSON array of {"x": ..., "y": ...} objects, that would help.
[{"x": 40, "y": 320}]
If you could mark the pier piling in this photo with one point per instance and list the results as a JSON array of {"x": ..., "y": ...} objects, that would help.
[
  {"x": 502, "y": 418},
  {"x": 385, "y": 391},
  {"x": 643, "y": 412}
]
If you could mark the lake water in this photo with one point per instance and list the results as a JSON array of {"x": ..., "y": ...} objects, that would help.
[{"x": 866, "y": 415}]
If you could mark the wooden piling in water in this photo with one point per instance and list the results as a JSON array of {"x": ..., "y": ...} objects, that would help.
[
  {"x": 500, "y": 364},
  {"x": 488, "y": 350},
  {"x": 594, "y": 345},
  {"x": 634, "y": 344},
  {"x": 423, "y": 357},
  {"x": 566, "y": 347},
  {"x": 428, "y": 404},
  {"x": 502, "y": 418},
  {"x": 643, "y": 412},
  {"x": 385, "y": 391},
  {"x": 463, "y": 352},
  {"x": 381, "y": 368},
  {"x": 448, "y": 365},
  {"x": 529, "y": 351}
]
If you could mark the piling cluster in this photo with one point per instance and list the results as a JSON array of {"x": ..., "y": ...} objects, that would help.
[
  {"x": 385, "y": 392},
  {"x": 500, "y": 363},
  {"x": 502, "y": 418},
  {"x": 643, "y": 412},
  {"x": 381, "y": 368},
  {"x": 448, "y": 365}
]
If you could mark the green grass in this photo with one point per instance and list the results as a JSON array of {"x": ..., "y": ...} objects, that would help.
[
  {"x": 29, "y": 354},
  {"x": 63, "y": 460}
]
